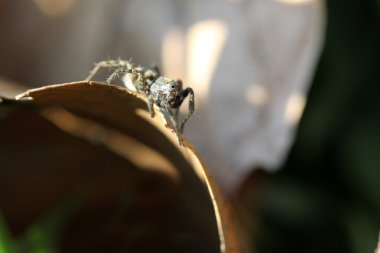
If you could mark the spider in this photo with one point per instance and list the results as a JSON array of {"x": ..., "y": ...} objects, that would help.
[{"x": 166, "y": 93}]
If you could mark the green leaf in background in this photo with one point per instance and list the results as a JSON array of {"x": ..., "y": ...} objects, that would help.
[{"x": 6, "y": 242}]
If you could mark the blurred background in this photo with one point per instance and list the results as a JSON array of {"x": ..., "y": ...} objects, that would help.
[{"x": 287, "y": 117}]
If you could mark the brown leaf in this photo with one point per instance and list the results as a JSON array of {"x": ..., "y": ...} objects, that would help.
[{"x": 117, "y": 178}]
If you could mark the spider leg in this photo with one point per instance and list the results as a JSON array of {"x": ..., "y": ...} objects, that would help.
[
  {"x": 108, "y": 64},
  {"x": 179, "y": 100},
  {"x": 169, "y": 113},
  {"x": 139, "y": 81},
  {"x": 180, "y": 85},
  {"x": 120, "y": 69},
  {"x": 180, "y": 88},
  {"x": 176, "y": 114},
  {"x": 150, "y": 106}
]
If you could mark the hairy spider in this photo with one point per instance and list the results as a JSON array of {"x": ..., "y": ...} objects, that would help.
[{"x": 166, "y": 93}]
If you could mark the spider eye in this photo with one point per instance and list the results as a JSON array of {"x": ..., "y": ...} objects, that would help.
[{"x": 173, "y": 86}]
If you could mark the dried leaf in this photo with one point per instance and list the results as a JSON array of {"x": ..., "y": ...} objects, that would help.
[{"x": 85, "y": 164}]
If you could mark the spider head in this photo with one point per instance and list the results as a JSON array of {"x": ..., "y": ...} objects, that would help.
[{"x": 165, "y": 87}]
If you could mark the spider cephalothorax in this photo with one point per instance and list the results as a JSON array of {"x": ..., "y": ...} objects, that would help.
[{"x": 166, "y": 93}]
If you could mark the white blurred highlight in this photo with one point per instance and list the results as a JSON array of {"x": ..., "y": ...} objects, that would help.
[
  {"x": 378, "y": 245},
  {"x": 295, "y": 2},
  {"x": 257, "y": 95},
  {"x": 205, "y": 41},
  {"x": 294, "y": 108},
  {"x": 173, "y": 52},
  {"x": 54, "y": 7}
]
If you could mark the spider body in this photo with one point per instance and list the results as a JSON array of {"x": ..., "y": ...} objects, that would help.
[
  {"x": 164, "y": 90},
  {"x": 166, "y": 93}
]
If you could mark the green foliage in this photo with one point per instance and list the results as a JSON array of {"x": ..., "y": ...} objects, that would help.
[
  {"x": 43, "y": 236},
  {"x": 6, "y": 242}
]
